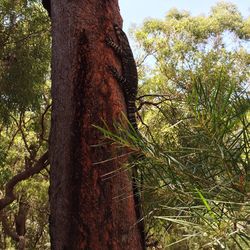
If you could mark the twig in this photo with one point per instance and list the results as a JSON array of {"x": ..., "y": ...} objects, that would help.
[
  {"x": 147, "y": 127},
  {"x": 42, "y": 123},
  {"x": 150, "y": 103},
  {"x": 155, "y": 95}
]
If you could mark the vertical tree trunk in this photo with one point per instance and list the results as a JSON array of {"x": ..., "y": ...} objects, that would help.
[{"x": 85, "y": 213}]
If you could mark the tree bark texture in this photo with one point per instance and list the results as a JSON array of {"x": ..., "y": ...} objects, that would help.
[{"x": 87, "y": 211}]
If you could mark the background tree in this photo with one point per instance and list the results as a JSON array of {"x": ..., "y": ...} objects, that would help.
[{"x": 24, "y": 124}]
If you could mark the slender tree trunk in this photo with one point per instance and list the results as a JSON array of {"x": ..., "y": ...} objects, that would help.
[{"x": 85, "y": 210}]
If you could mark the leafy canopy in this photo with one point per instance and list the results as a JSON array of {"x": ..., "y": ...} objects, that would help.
[{"x": 24, "y": 56}]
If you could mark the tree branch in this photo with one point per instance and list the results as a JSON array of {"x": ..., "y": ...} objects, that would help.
[
  {"x": 9, "y": 188},
  {"x": 149, "y": 103},
  {"x": 42, "y": 123},
  {"x": 165, "y": 96},
  {"x": 6, "y": 227}
]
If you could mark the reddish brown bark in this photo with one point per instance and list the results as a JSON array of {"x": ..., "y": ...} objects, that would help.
[{"x": 85, "y": 210}]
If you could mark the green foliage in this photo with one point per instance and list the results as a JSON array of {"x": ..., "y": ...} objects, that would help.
[
  {"x": 24, "y": 114},
  {"x": 197, "y": 116},
  {"x": 24, "y": 57},
  {"x": 36, "y": 192}
]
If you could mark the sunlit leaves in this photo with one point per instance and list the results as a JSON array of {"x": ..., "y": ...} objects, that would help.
[
  {"x": 195, "y": 103},
  {"x": 24, "y": 113}
]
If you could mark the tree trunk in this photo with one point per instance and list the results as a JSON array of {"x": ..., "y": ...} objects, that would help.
[{"x": 86, "y": 212}]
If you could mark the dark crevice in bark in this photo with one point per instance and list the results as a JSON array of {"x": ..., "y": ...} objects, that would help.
[{"x": 77, "y": 160}]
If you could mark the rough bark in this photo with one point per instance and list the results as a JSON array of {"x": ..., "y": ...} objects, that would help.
[{"x": 86, "y": 212}]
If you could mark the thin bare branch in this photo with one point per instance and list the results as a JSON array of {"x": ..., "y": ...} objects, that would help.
[
  {"x": 149, "y": 103},
  {"x": 168, "y": 97}
]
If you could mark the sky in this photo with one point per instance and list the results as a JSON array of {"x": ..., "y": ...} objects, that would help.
[{"x": 135, "y": 11}]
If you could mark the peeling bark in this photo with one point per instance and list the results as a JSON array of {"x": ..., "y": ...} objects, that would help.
[{"x": 86, "y": 212}]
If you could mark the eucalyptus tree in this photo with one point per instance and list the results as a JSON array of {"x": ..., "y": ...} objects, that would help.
[
  {"x": 88, "y": 209},
  {"x": 24, "y": 124}
]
